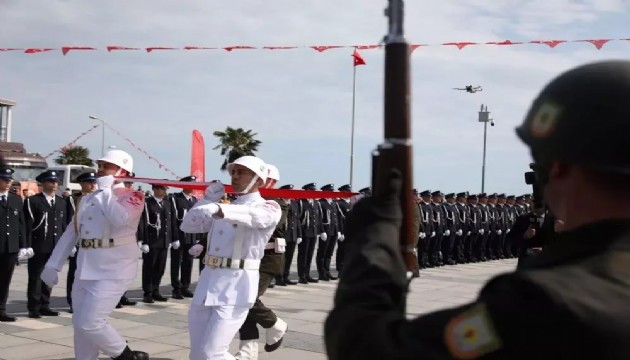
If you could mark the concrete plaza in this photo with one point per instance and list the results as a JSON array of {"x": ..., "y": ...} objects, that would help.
[{"x": 161, "y": 329}]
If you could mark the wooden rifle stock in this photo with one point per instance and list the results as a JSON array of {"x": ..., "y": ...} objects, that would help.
[{"x": 396, "y": 150}]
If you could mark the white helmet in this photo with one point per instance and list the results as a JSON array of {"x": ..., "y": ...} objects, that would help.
[
  {"x": 252, "y": 163},
  {"x": 119, "y": 158},
  {"x": 273, "y": 174}
]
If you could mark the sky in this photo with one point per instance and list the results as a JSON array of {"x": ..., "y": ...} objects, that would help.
[{"x": 299, "y": 101}]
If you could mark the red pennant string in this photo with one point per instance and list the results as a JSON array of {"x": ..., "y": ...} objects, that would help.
[
  {"x": 506, "y": 42},
  {"x": 70, "y": 144},
  {"x": 279, "y": 47},
  {"x": 413, "y": 47},
  {"x": 37, "y": 50},
  {"x": 240, "y": 47},
  {"x": 324, "y": 48},
  {"x": 267, "y": 193},
  {"x": 199, "y": 48},
  {"x": 149, "y": 49},
  {"x": 551, "y": 43},
  {"x": 599, "y": 43},
  {"x": 67, "y": 49},
  {"x": 10, "y": 49},
  {"x": 461, "y": 45},
  {"x": 112, "y": 48},
  {"x": 366, "y": 47}
]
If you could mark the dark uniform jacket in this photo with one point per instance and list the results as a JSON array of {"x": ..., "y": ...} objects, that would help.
[
  {"x": 44, "y": 224},
  {"x": 294, "y": 230},
  {"x": 451, "y": 217},
  {"x": 180, "y": 206},
  {"x": 343, "y": 208},
  {"x": 330, "y": 218},
  {"x": 281, "y": 229},
  {"x": 310, "y": 218},
  {"x": 570, "y": 302},
  {"x": 463, "y": 213},
  {"x": 12, "y": 220},
  {"x": 158, "y": 227},
  {"x": 426, "y": 217}
]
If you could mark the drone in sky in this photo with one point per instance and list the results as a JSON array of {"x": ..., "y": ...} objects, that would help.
[{"x": 471, "y": 89}]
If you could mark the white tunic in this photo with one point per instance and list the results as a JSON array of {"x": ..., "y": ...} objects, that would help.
[
  {"x": 110, "y": 212},
  {"x": 257, "y": 219}
]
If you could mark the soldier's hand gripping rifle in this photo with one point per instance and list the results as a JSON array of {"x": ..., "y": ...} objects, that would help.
[{"x": 395, "y": 151}]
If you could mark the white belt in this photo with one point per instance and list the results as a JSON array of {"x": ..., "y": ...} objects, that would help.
[
  {"x": 220, "y": 262},
  {"x": 270, "y": 246},
  {"x": 104, "y": 243}
]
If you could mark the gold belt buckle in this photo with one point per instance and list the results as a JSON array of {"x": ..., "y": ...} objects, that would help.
[
  {"x": 87, "y": 243},
  {"x": 213, "y": 261}
]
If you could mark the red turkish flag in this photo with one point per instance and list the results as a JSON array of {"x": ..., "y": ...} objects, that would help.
[
  {"x": 460, "y": 45},
  {"x": 149, "y": 49},
  {"x": 279, "y": 47},
  {"x": 358, "y": 59},
  {"x": 598, "y": 43},
  {"x": 322, "y": 48},
  {"x": 551, "y": 43},
  {"x": 37, "y": 50},
  {"x": 67, "y": 49},
  {"x": 112, "y": 48},
  {"x": 239, "y": 47}
]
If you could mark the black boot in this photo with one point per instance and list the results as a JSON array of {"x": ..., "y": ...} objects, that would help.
[{"x": 128, "y": 354}]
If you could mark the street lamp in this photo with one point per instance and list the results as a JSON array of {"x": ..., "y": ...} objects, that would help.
[
  {"x": 484, "y": 117},
  {"x": 103, "y": 136}
]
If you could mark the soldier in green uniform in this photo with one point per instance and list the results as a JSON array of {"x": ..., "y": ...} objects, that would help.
[{"x": 570, "y": 302}]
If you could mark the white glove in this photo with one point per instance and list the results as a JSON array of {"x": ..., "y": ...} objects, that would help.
[
  {"x": 196, "y": 250},
  {"x": 481, "y": 231},
  {"x": 447, "y": 233},
  {"x": 209, "y": 209},
  {"x": 459, "y": 232},
  {"x": 433, "y": 234},
  {"x": 105, "y": 182},
  {"x": 468, "y": 233},
  {"x": 50, "y": 276},
  {"x": 508, "y": 231},
  {"x": 144, "y": 248},
  {"x": 499, "y": 232},
  {"x": 29, "y": 253},
  {"x": 140, "y": 245},
  {"x": 73, "y": 252},
  {"x": 214, "y": 192},
  {"x": 323, "y": 236},
  {"x": 341, "y": 237},
  {"x": 422, "y": 235},
  {"x": 298, "y": 241},
  {"x": 175, "y": 244},
  {"x": 338, "y": 234},
  {"x": 22, "y": 254}
]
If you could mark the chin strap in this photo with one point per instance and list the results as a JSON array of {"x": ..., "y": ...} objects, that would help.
[{"x": 250, "y": 185}]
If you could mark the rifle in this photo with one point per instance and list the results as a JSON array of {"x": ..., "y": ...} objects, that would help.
[{"x": 395, "y": 151}]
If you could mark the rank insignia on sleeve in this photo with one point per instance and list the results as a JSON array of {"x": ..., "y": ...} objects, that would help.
[{"x": 471, "y": 334}]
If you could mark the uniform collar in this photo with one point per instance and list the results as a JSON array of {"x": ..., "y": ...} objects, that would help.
[
  {"x": 583, "y": 242},
  {"x": 245, "y": 198}
]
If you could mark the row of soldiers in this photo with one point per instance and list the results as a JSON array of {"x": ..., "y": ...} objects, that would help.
[{"x": 463, "y": 228}]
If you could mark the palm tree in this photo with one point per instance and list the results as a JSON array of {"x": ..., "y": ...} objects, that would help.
[
  {"x": 235, "y": 143},
  {"x": 77, "y": 155}
]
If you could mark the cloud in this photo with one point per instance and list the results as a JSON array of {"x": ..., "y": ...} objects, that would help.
[{"x": 298, "y": 101}]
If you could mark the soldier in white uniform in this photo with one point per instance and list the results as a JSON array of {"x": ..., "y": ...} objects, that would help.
[
  {"x": 104, "y": 226},
  {"x": 237, "y": 235}
]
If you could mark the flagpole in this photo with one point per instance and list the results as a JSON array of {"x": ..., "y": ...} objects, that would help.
[{"x": 354, "y": 82}]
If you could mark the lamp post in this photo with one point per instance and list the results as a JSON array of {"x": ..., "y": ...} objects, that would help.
[
  {"x": 484, "y": 117},
  {"x": 103, "y": 133}
]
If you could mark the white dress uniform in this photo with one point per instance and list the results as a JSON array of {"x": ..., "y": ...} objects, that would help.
[
  {"x": 104, "y": 271},
  {"x": 226, "y": 291}
]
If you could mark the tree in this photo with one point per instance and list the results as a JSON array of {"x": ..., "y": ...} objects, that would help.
[
  {"x": 76, "y": 155},
  {"x": 235, "y": 143}
]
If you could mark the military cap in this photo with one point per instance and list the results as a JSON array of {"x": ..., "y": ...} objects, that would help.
[
  {"x": 189, "y": 178},
  {"x": 511, "y": 197},
  {"x": 501, "y": 196},
  {"x": 6, "y": 173},
  {"x": 366, "y": 191},
  {"x": 287, "y": 187},
  {"x": 346, "y": 187},
  {"x": 328, "y": 187},
  {"x": 462, "y": 194},
  {"x": 426, "y": 193},
  {"x": 450, "y": 196},
  {"x": 309, "y": 186},
  {"x": 520, "y": 198},
  {"x": 437, "y": 194},
  {"x": 88, "y": 176},
  {"x": 493, "y": 196},
  {"x": 472, "y": 197},
  {"x": 160, "y": 186},
  {"x": 48, "y": 175},
  {"x": 581, "y": 117},
  {"x": 482, "y": 196}
]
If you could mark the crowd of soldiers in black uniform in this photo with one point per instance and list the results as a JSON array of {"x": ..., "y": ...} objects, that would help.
[{"x": 463, "y": 228}]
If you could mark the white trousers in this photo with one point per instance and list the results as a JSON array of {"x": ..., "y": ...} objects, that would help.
[
  {"x": 211, "y": 330},
  {"x": 92, "y": 303}
]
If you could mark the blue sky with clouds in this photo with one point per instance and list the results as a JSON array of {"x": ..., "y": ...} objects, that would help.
[{"x": 298, "y": 101}]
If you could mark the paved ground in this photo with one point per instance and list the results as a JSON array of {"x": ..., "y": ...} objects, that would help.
[{"x": 161, "y": 329}]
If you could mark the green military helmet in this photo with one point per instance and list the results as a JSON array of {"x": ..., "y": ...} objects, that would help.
[{"x": 583, "y": 117}]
